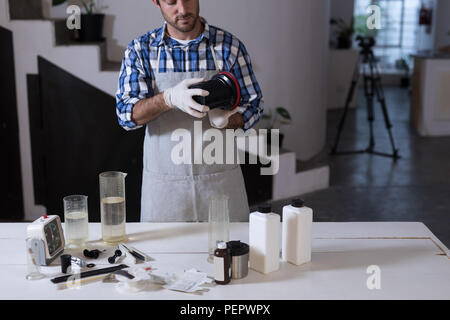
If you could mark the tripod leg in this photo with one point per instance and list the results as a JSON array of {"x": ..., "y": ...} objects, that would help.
[
  {"x": 381, "y": 98},
  {"x": 355, "y": 79},
  {"x": 369, "y": 87}
]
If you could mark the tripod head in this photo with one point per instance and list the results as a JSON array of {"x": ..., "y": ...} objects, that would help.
[{"x": 366, "y": 44}]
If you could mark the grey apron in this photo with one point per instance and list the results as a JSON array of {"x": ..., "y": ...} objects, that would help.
[{"x": 180, "y": 192}]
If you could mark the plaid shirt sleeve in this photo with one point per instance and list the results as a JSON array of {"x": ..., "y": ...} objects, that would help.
[
  {"x": 133, "y": 86},
  {"x": 252, "y": 103}
]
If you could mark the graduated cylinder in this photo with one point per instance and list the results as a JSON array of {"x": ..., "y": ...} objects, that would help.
[{"x": 112, "y": 206}]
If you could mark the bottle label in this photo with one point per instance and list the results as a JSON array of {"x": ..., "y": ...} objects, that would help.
[{"x": 219, "y": 269}]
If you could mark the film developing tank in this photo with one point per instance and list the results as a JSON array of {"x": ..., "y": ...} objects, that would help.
[
  {"x": 224, "y": 92},
  {"x": 239, "y": 259}
]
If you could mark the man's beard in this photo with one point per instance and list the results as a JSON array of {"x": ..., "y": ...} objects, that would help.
[{"x": 184, "y": 28}]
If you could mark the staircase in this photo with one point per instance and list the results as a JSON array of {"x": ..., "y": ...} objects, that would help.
[
  {"x": 51, "y": 39},
  {"x": 48, "y": 38}
]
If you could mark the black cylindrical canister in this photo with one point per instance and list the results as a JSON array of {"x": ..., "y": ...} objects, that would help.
[
  {"x": 224, "y": 92},
  {"x": 66, "y": 263}
]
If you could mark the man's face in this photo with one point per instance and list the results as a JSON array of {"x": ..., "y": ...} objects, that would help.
[{"x": 180, "y": 14}]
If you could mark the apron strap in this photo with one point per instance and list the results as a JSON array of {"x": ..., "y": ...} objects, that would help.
[
  {"x": 159, "y": 57},
  {"x": 210, "y": 47}
]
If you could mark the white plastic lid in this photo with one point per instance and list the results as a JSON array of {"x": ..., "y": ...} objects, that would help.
[{"x": 222, "y": 245}]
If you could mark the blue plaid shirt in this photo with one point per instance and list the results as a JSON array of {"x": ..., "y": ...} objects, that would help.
[{"x": 137, "y": 81}]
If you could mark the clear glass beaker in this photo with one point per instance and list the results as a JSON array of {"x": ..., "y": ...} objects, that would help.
[
  {"x": 33, "y": 270},
  {"x": 76, "y": 220},
  {"x": 112, "y": 206},
  {"x": 218, "y": 223}
]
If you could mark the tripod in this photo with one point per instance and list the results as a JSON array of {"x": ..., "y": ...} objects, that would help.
[{"x": 372, "y": 87}]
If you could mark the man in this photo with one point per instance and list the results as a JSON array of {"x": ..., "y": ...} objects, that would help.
[{"x": 156, "y": 72}]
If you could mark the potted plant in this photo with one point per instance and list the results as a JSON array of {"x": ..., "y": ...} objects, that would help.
[
  {"x": 403, "y": 65},
  {"x": 91, "y": 21},
  {"x": 281, "y": 117},
  {"x": 344, "y": 33}
]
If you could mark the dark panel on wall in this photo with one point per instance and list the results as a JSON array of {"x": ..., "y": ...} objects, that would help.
[
  {"x": 82, "y": 138},
  {"x": 11, "y": 202},
  {"x": 37, "y": 138}
]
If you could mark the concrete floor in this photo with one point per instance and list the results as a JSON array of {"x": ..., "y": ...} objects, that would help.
[{"x": 373, "y": 188}]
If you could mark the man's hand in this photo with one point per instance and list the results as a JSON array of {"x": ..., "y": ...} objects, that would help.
[
  {"x": 219, "y": 118},
  {"x": 180, "y": 97}
]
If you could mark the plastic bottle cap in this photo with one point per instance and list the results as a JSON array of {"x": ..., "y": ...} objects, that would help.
[
  {"x": 265, "y": 208},
  {"x": 297, "y": 203},
  {"x": 221, "y": 245}
]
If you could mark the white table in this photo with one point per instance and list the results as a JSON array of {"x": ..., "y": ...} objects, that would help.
[{"x": 414, "y": 264}]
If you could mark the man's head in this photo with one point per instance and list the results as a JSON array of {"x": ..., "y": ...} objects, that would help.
[{"x": 180, "y": 14}]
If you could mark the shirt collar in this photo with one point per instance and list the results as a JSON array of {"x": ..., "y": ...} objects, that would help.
[{"x": 163, "y": 39}]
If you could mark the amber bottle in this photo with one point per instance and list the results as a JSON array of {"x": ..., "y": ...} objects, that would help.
[{"x": 222, "y": 264}]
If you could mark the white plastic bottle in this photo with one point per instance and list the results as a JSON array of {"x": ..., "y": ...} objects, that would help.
[
  {"x": 265, "y": 228},
  {"x": 296, "y": 232}
]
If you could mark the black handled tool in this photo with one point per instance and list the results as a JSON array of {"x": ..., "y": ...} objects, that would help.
[
  {"x": 88, "y": 273},
  {"x": 133, "y": 252}
]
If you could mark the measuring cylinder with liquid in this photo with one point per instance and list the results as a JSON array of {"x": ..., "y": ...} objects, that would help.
[
  {"x": 218, "y": 224},
  {"x": 76, "y": 220},
  {"x": 112, "y": 206}
]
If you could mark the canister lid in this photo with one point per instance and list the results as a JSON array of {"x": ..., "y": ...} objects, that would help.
[
  {"x": 297, "y": 202},
  {"x": 265, "y": 208},
  {"x": 237, "y": 248}
]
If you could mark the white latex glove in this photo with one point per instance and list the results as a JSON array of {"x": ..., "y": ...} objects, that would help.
[
  {"x": 181, "y": 97},
  {"x": 219, "y": 118}
]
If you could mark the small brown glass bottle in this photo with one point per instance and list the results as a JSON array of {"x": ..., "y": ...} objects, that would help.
[{"x": 222, "y": 264}]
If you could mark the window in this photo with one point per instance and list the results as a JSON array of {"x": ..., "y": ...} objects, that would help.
[{"x": 399, "y": 33}]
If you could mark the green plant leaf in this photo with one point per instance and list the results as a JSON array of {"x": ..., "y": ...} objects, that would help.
[
  {"x": 57, "y": 2},
  {"x": 284, "y": 113}
]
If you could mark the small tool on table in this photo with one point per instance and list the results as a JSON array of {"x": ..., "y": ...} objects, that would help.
[
  {"x": 92, "y": 254},
  {"x": 87, "y": 274},
  {"x": 117, "y": 254},
  {"x": 133, "y": 252}
]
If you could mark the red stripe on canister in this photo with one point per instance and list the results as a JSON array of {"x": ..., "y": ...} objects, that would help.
[{"x": 238, "y": 96}]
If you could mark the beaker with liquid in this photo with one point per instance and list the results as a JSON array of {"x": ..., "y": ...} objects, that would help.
[
  {"x": 76, "y": 220},
  {"x": 218, "y": 223},
  {"x": 112, "y": 206}
]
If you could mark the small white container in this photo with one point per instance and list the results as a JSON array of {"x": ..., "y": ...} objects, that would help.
[
  {"x": 264, "y": 235},
  {"x": 297, "y": 232}
]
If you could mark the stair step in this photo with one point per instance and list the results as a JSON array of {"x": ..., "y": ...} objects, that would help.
[
  {"x": 111, "y": 66},
  {"x": 25, "y": 9},
  {"x": 66, "y": 37}
]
